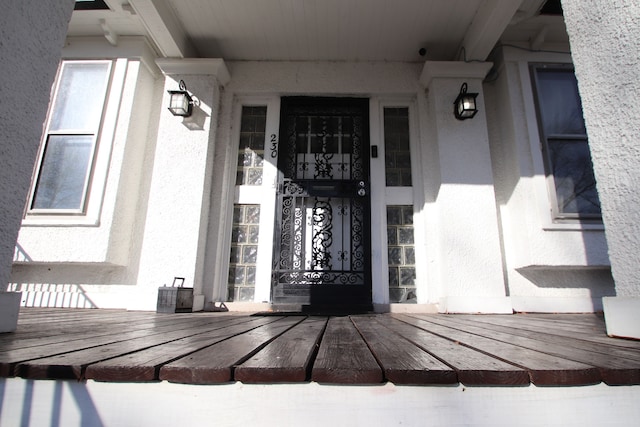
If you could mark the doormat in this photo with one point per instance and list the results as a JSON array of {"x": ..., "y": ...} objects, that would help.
[{"x": 317, "y": 311}]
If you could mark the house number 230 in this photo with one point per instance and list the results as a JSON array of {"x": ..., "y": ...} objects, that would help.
[{"x": 273, "y": 139}]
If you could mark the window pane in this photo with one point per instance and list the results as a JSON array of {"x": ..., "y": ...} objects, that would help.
[
  {"x": 251, "y": 150},
  {"x": 401, "y": 254},
  {"x": 573, "y": 175},
  {"x": 63, "y": 172},
  {"x": 396, "y": 143},
  {"x": 560, "y": 104},
  {"x": 80, "y": 96},
  {"x": 568, "y": 159},
  {"x": 244, "y": 252}
]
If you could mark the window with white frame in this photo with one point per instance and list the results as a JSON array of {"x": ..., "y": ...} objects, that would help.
[
  {"x": 565, "y": 145},
  {"x": 246, "y": 217},
  {"x": 63, "y": 171},
  {"x": 400, "y": 226}
]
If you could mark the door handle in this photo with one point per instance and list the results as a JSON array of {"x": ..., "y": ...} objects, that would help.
[{"x": 361, "y": 191}]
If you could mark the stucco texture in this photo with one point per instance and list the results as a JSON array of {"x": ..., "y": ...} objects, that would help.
[
  {"x": 28, "y": 63},
  {"x": 605, "y": 42}
]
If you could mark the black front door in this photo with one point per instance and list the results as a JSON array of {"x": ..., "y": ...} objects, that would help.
[{"x": 322, "y": 235}]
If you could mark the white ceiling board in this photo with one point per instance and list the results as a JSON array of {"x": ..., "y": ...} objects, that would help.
[
  {"x": 329, "y": 30},
  {"x": 363, "y": 30}
]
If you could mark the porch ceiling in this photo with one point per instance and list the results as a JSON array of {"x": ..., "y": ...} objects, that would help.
[{"x": 291, "y": 30}]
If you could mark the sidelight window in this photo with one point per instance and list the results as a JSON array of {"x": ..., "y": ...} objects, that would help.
[{"x": 401, "y": 254}]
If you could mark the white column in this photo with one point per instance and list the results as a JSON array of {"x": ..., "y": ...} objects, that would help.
[
  {"x": 605, "y": 46},
  {"x": 178, "y": 210},
  {"x": 470, "y": 259},
  {"x": 33, "y": 33}
]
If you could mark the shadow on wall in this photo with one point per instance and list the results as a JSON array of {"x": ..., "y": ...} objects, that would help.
[
  {"x": 592, "y": 282},
  {"x": 52, "y": 295},
  {"x": 30, "y": 412},
  {"x": 596, "y": 279},
  {"x": 61, "y": 285}
]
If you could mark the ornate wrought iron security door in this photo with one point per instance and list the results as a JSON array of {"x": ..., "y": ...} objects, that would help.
[{"x": 322, "y": 213}]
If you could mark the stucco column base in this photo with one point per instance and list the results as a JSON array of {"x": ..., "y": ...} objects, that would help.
[
  {"x": 473, "y": 305},
  {"x": 9, "y": 309},
  {"x": 622, "y": 316}
]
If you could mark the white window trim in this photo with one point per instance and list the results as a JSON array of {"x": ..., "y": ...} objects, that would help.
[
  {"x": 542, "y": 191},
  {"x": 263, "y": 195},
  {"x": 383, "y": 196},
  {"x": 99, "y": 165}
]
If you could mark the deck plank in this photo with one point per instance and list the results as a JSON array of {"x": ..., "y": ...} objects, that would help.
[
  {"x": 577, "y": 341},
  {"x": 144, "y": 365},
  {"x": 472, "y": 367},
  {"x": 551, "y": 327},
  {"x": 476, "y": 350},
  {"x": 614, "y": 370},
  {"x": 76, "y": 328},
  {"x": 214, "y": 364},
  {"x": 543, "y": 369},
  {"x": 344, "y": 357},
  {"x": 86, "y": 332},
  {"x": 287, "y": 358},
  {"x": 9, "y": 360},
  {"x": 402, "y": 361},
  {"x": 72, "y": 365}
]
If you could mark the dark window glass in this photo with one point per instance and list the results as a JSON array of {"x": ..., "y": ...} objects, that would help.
[
  {"x": 396, "y": 147},
  {"x": 565, "y": 144}
]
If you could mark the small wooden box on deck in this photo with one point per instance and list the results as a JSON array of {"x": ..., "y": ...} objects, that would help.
[{"x": 175, "y": 299}]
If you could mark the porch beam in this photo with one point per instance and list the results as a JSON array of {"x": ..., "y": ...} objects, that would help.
[
  {"x": 490, "y": 21},
  {"x": 164, "y": 28}
]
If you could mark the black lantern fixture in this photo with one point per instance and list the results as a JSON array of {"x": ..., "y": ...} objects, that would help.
[
  {"x": 464, "y": 106},
  {"x": 180, "y": 102}
]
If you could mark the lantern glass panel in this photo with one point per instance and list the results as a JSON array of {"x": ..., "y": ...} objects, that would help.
[{"x": 179, "y": 104}]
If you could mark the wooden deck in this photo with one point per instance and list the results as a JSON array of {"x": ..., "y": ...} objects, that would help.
[{"x": 212, "y": 348}]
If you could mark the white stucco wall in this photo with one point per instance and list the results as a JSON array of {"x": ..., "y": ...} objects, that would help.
[
  {"x": 605, "y": 40},
  {"x": 90, "y": 261},
  {"x": 28, "y": 63},
  {"x": 549, "y": 266},
  {"x": 113, "y": 194},
  {"x": 470, "y": 260},
  {"x": 482, "y": 183},
  {"x": 95, "y": 404},
  {"x": 177, "y": 215}
]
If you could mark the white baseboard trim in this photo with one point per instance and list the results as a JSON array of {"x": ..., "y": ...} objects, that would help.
[
  {"x": 622, "y": 316},
  {"x": 528, "y": 304},
  {"x": 76, "y": 403},
  {"x": 405, "y": 308},
  {"x": 246, "y": 307},
  {"x": 198, "y": 302},
  {"x": 9, "y": 310},
  {"x": 472, "y": 305}
]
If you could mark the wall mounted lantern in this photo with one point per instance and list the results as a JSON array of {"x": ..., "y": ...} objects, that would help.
[
  {"x": 180, "y": 102},
  {"x": 464, "y": 107}
]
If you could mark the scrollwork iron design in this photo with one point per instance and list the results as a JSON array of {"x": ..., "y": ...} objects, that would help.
[{"x": 322, "y": 235}]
